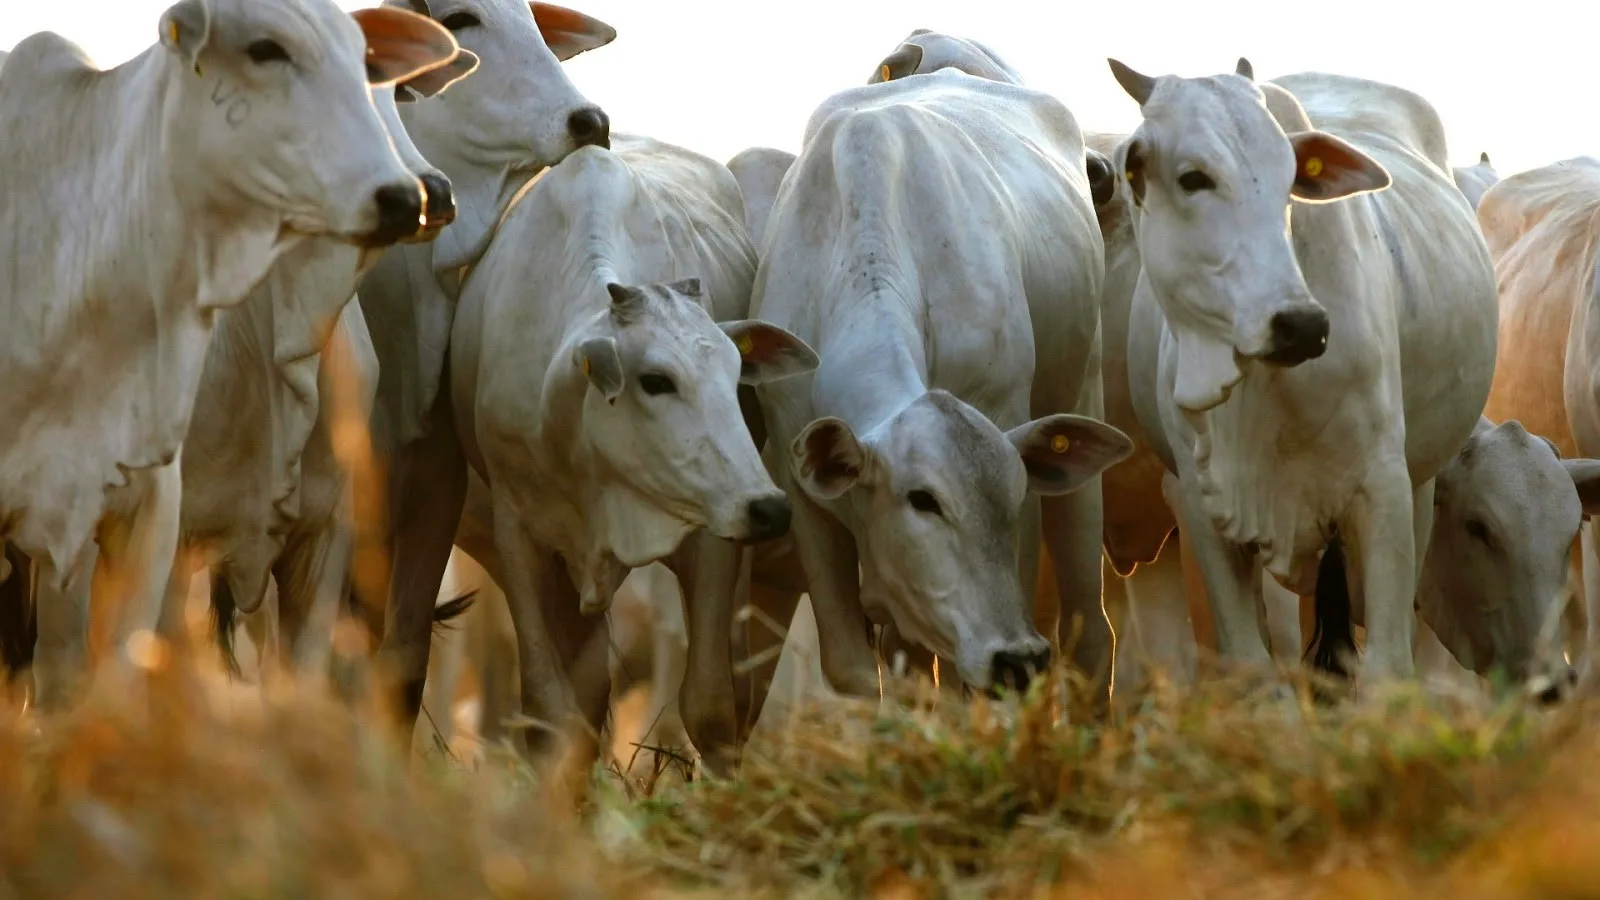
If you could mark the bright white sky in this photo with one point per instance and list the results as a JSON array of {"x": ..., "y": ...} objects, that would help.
[{"x": 1515, "y": 79}]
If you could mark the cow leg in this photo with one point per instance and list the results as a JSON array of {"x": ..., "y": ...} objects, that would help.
[
  {"x": 1231, "y": 578},
  {"x": 438, "y": 695},
  {"x": 137, "y": 554},
  {"x": 669, "y": 667},
  {"x": 497, "y": 663},
  {"x": 61, "y": 649},
  {"x": 832, "y": 566},
  {"x": 708, "y": 570},
  {"x": 1590, "y": 541},
  {"x": 1073, "y": 527},
  {"x": 432, "y": 488},
  {"x": 1282, "y": 609},
  {"x": 1381, "y": 534},
  {"x": 174, "y": 623},
  {"x": 312, "y": 575},
  {"x": 1158, "y": 612}
]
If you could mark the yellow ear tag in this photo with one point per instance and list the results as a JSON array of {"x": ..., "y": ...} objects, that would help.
[
  {"x": 1059, "y": 443},
  {"x": 744, "y": 344},
  {"x": 172, "y": 32},
  {"x": 586, "y": 367},
  {"x": 1313, "y": 167},
  {"x": 883, "y": 72}
]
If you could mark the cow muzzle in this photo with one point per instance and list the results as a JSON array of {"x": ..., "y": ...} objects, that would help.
[
  {"x": 1296, "y": 335},
  {"x": 438, "y": 211},
  {"x": 399, "y": 215}
]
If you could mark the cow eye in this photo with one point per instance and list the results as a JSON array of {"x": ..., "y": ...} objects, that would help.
[
  {"x": 657, "y": 384},
  {"x": 923, "y": 501},
  {"x": 460, "y": 20},
  {"x": 1195, "y": 181},
  {"x": 265, "y": 51}
]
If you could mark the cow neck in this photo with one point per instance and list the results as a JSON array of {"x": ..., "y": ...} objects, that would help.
[
  {"x": 872, "y": 366},
  {"x": 482, "y": 194}
]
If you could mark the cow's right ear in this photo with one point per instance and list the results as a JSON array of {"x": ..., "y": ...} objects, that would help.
[
  {"x": 828, "y": 459},
  {"x": 185, "y": 30},
  {"x": 568, "y": 32},
  {"x": 598, "y": 360}
]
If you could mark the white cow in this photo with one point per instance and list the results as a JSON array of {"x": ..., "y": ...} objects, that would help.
[
  {"x": 759, "y": 171},
  {"x": 595, "y": 394},
  {"x": 1473, "y": 180},
  {"x": 247, "y": 129},
  {"x": 1307, "y": 367},
  {"x": 1136, "y": 520},
  {"x": 935, "y": 335},
  {"x": 489, "y": 135},
  {"x": 262, "y": 490}
]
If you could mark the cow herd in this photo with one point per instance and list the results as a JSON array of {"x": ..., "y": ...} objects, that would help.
[{"x": 985, "y": 387}]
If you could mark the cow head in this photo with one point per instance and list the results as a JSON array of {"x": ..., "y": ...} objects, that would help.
[
  {"x": 518, "y": 112},
  {"x": 439, "y": 209},
  {"x": 1211, "y": 174},
  {"x": 272, "y": 111},
  {"x": 929, "y": 51},
  {"x": 939, "y": 490},
  {"x": 1506, "y": 511},
  {"x": 662, "y": 423}
]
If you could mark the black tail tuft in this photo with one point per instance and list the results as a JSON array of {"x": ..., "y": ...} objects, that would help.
[
  {"x": 19, "y": 624},
  {"x": 223, "y": 614},
  {"x": 445, "y": 613},
  {"x": 1333, "y": 638}
]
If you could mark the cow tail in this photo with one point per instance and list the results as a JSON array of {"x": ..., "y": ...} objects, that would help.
[
  {"x": 1333, "y": 637},
  {"x": 19, "y": 622},
  {"x": 224, "y": 612},
  {"x": 445, "y": 613}
]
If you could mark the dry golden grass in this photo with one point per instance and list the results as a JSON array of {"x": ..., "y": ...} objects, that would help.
[{"x": 189, "y": 787}]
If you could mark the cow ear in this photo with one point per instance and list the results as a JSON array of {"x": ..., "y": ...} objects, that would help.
[
  {"x": 568, "y": 32},
  {"x": 1329, "y": 168},
  {"x": 828, "y": 459},
  {"x": 186, "y": 29},
  {"x": 402, "y": 45},
  {"x": 767, "y": 352},
  {"x": 598, "y": 360},
  {"x": 902, "y": 62},
  {"x": 436, "y": 81},
  {"x": 1586, "y": 478},
  {"x": 1062, "y": 452}
]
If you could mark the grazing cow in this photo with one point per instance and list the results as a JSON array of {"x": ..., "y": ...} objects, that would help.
[
  {"x": 262, "y": 489},
  {"x": 200, "y": 162},
  {"x": 595, "y": 394},
  {"x": 1543, "y": 231},
  {"x": 1475, "y": 179},
  {"x": 935, "y": 336},
  {"x": 489, "y": 135},
  {"x": 1306, "y": 366}
]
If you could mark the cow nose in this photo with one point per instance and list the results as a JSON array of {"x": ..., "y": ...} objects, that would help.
[
  {"x": 590, "y": 126},
  {"x": 1548, "y": 691},
  {"x": 769, "y": 518},
  {"x": 1298, "y": 335},
  {"x": 1016, "y": 668},
  {"x": 441, "y": 200},
  {"x": 399, "y": 212}
]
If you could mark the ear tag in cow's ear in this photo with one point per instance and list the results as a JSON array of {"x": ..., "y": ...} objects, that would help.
[
  {"x": 744, "y": 344},
  {"x": 586, "y": 367},
  {"x": 1313, "y": 167},
  {"x": 1059, "y": 443},
  {"x": 883, "y": 72},
  {"x": 172, "y": 32}
]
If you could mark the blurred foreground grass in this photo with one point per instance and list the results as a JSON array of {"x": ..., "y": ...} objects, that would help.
[{"x": 190, "y": 787}]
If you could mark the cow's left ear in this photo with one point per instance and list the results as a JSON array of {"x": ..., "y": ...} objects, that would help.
[
  {"x": 767, "y": 352},
  {"x": 186, "y": 29},
  {"x": 1062, "y": 452},
  {"x": 568, "y": 32},
  {"x": 435, "y": 82},
  {"x": 1330, "y": 168},
  {"x": 1586, "y": 478},
  {"x": 599, "y": 361},
  {"x": 902, "y": 62},
  {"x": 402, "y": 45}
]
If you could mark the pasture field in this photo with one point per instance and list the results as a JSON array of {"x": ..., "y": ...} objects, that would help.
[{"x": 191, "y": 786}]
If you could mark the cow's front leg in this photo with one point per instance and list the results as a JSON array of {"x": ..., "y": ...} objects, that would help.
[
  {"x": 708, "y": 571},
  {"x": 1073, "y": 529},
  {"x": 1379, "y": 531},
  {"x": 137, "y": 553},
  {"x": 1232, "y": 579}
]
